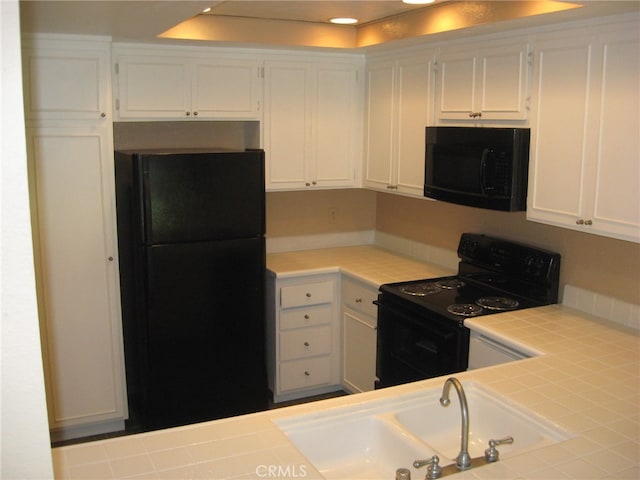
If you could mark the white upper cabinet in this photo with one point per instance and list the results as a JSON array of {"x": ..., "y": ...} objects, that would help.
[
  {"x": 161, "y": 86},
  {"x": 311, "y": 124},
  {"x": 585, "y": 150},
  {"x": 66, "y": 79},
  {"x": 399, "y": 99},
  {"x": 487, "y": 82}
]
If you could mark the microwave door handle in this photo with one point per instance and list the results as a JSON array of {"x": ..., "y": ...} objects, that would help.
[{"x": 483, "y": 170}]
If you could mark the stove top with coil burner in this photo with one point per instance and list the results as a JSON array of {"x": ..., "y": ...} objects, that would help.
[{"x": 494, "y": 275}]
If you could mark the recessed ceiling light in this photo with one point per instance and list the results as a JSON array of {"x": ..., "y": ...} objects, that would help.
[
  {"x": 418, "y": 2},
  {"x": 344, "y": 20}
]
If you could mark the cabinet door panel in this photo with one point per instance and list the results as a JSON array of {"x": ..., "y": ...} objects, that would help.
[
  {"x": 504, "y": 83},
  {"x": 413, "y": 116},
  {"x": 379, "y": 126},
  {"x": 457, "y": 86},
  {"x": 66, "y": 84},
  {"x": 225, "y": 90},
  {"x": 359, "y": 359},
  {"x": 154, "y": 88},
  {"x": 335, "y": 125},
  {"x": 286, "y": 132},
  {"x": 78, "y": 283},
  {"x": 616, "y": 205},
  {"x": 556, "y": 187}
]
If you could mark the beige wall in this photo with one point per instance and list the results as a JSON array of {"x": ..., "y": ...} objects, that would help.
[
  {"x": 308, "y": 212},
  {"x": 592, "y": 262}
]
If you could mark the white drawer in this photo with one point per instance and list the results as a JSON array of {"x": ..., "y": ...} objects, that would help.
[
  {"x": 306, "y": 316},
  {"x": 306, "y": 294},
  {"x": 310, "y": 372},
  {"x": 359, "y": 297},
  {"x": 305, "y": 342}
]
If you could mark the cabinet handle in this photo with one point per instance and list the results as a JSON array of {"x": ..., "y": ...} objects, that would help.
[
  {"x": 308, "y": 295},
  {"x": 392, "y": 187},
  {"x": 103, "y": 115},
  {"x": 187, "y": 113},
  {"x": 195, "y": 114},
  {"x": 306, "y": 373},
  {"x": 307, "y": 184},
  {"x": 588, "y": 222},
  {"x": 306, "y": 344},
  {"x": 582, "y": 221},
  {"x": 110, "y": 259},
  {"x": 306, "y": 317},
  {"x": 358, "y": 300},
  {"x": 475, "y": 114},
  {"x": 314, "y": 183}
]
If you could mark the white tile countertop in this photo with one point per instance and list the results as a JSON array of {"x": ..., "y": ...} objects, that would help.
[{"x": 587, "y": 381}]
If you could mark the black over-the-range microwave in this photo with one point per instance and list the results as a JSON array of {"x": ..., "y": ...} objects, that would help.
[{"x": 478, "y": 166}]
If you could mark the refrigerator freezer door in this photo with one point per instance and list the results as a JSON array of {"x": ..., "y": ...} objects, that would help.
[
  {"x": 205, "y": 331},
  {"x": 201, "y": 196}
]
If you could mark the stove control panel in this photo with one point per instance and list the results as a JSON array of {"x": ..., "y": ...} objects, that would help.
[{"x": 503, "y": 256}]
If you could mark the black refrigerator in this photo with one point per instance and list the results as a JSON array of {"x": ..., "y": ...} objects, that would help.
[{"x": 192, "y": 273}]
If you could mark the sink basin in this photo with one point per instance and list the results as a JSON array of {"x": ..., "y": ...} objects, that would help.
[
  {"x": 489, "y": 418},
  {"x": 372, "y": 440},
  {"x": 354, "y": 445}
]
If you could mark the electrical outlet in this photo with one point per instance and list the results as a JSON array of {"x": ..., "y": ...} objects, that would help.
[{"x": 332, "y": 215}]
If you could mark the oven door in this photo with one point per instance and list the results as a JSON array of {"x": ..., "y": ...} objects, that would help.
[{"x": 415, "y": 344}]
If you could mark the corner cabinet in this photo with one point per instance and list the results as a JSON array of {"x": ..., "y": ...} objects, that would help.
[
  {"x": 303, "y": 342},
  {"x": 490, "y": 82},
  {"x": 177, "y": 84},
  {"x": 359, "y": 335},
  {"x": 312, "y": 124},
  {"x": 584, "y": 168},
  {"x": 399, "y": 97},
  {"x": 71, "y": 181}
]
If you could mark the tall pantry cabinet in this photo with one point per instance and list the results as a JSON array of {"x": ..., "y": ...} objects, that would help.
[{"x": 70, "y": 161}]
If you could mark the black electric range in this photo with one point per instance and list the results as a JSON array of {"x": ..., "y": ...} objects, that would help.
[{"x": 421, "y": 332}]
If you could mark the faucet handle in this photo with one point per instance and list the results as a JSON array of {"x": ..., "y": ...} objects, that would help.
[
  {"x": 434, "y": 471},
  {"x": 492, "y": 454}
]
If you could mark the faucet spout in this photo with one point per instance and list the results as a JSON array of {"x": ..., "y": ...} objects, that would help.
[{"x": 463, "y": 460}]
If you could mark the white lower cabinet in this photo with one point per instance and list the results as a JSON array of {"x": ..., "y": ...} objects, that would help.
[
  {"x": 359, "y": 335},
  {"x": 303, "y": 341}
]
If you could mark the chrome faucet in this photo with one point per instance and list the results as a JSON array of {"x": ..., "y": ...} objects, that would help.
[{"x": 463, "y": 460}]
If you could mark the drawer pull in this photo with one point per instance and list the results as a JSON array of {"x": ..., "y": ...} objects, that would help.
[
  {"x": 308, "y": 295},
  {"x": 306, "y": 344},
  {"x": 306, "y": 317},
  {"x": 306, "y": 373},
  {"x": 358, "y": 300}
]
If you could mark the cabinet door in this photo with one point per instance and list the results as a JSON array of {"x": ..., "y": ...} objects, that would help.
[
  {"x": 414, "y": 108},
  {"x": 559, "y": 145},
  {"x": 287, "y": 129},
  {"x": 490, "y": 82},
  {"x": 153, "y": 87},
  {"x": 71, "y": 172},
  {"x": 66, "y": 83},
  {"x": 335, "y": 129},
  {"x": 616, "y": 209},
  {"x": 359, "y": 353},
  {"x": 504, "y": 83},
  {"x": 457, "y": 85},
  {"x": 225, "y": 89},
  {"x": 379, "y": 125}
]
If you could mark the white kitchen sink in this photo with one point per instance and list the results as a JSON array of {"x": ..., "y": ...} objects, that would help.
[
  {"x": 353, "y": 444},
  {"x": 489, "y": 418},
  {"x": 373, "y": 439}
]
